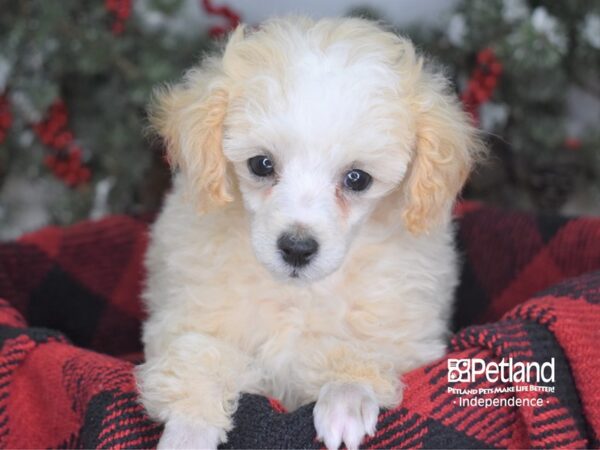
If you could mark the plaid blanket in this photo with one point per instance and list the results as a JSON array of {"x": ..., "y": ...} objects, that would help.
[{"x": 70, "y": 322}]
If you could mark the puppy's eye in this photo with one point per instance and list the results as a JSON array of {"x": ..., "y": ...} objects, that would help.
[
  {"x": 261, "y": 166},
  {"x": 357, "y": 180}
]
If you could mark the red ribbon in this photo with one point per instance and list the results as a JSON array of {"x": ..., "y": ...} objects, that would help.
[{"x": 232, "y": 17}]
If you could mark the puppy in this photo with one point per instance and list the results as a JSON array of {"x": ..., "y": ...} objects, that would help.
[{"x": 305, "y": 251}]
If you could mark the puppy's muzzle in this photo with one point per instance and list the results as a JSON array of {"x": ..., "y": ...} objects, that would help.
[{"x": 297, "y": 249}]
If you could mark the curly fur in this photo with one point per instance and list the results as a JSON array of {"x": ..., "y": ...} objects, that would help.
[{"x": 225, "y": 317}]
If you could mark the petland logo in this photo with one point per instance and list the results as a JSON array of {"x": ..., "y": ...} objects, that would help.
[{"x": 506, "y": 371}]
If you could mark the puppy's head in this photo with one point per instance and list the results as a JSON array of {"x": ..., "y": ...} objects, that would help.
[{"x": 313, "y": 124}]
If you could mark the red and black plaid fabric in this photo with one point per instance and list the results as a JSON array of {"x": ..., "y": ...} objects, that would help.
[{"x": 70, "y": 322}]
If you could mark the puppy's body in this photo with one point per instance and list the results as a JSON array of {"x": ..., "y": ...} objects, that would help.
[
  {"x": 372, "y": 302},
  {"x": 386, "y": 307}
]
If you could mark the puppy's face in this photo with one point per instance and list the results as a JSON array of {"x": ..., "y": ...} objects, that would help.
[
  {"x": 317, "y": 122},
  {"x": 313, "y": 151}
]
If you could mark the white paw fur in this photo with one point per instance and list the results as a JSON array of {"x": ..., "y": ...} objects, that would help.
[
  {"x": 187, "y": 434},
  {"x": 345, "y": 413}
]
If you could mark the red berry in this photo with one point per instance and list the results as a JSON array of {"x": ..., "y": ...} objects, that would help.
[
  {"x": 70, "y": 179},
  {"x": 484, "y": 56},
  {"x": 5, "y": 120},
  {"x": 118, "y": 28},
  {"x": 58, "y": 142},
  {"x": 76, "y": 153},
  {"x": 472, "y": 85},
  {"x": 46, "y": 138},
  {"x": 572, "y": 143},
  {"x": 490, "y": 82},
  {"x": 496, "y": 68},
  {"x": 59, "y": 170},
  {"x": 85, "y": 174},
  {"x": 480, "y": 95}
]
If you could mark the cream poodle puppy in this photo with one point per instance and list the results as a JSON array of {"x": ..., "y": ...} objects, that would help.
[{"x": 306, "y": 249}]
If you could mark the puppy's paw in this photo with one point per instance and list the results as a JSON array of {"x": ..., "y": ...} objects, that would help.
[
  {"x": 186, "y": 434},
  {"x": 345, "y": 412}
]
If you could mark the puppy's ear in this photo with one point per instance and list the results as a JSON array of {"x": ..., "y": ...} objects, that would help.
[
  {"x": 447, "y": 145},
  {"x": 189, "y": 117}
]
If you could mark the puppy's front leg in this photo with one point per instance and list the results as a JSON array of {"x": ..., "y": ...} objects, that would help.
[
  {"x": 193, "y": 387},
  {"x": 348, "y": 404},
  {"x": 345, "y": 412}
]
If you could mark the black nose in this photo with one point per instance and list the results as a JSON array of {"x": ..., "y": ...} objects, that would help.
[{"x": 297, "y": 250}]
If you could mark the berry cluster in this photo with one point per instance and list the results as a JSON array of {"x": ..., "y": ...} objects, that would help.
[
  {"x": 65, "y": 158},
  {"x": 120, "y": 10},
  {"x": 5, "y": 117},
  {"x": 482, "y": 83},
  {"x": 232, "y": 17}
]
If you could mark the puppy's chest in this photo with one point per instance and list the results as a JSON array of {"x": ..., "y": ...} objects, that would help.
[
  {"x": 274, "y": 327},
  {"x": 272, "y": 321},
  {"x": 284, "y": 339},
  {"x": 284, "y": 334}
]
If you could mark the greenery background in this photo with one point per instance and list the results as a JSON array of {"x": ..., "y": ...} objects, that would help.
[{"x": 76, "y": 75}]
